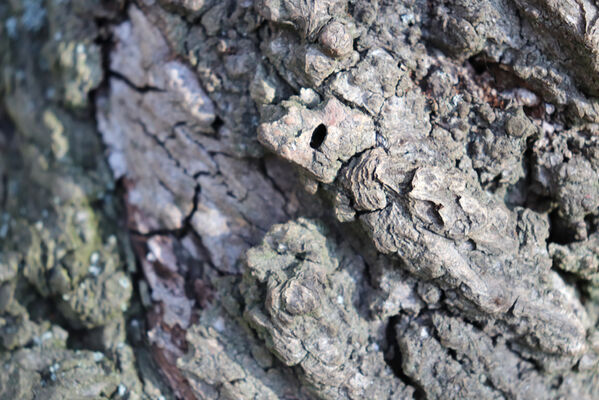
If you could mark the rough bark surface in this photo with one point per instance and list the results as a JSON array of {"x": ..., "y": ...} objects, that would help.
[{"x": 298, "y": 199}]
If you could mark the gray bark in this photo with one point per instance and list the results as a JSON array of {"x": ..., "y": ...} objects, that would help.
[{"x": 292, "y": 199}]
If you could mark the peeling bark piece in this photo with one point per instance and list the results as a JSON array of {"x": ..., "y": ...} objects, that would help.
[
  {"x": 319, "y": 140},
  {"x": 135, "y": 124},
  {"x": 161, "y": 116},
  {"x": 361, "y": 179}
]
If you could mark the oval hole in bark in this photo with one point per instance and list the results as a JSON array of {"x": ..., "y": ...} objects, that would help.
[{"x": 318, "y": 136}]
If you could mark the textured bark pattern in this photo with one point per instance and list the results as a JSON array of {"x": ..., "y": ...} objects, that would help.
[{"x": 336, "y": 199}]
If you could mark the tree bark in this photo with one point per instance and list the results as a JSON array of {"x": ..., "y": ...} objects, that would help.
[{"x": 297, "y": 199}]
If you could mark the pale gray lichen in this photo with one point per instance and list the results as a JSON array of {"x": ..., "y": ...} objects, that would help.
[{"x": 301, "y": 303}]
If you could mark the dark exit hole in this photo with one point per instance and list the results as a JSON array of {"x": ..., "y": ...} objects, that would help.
[{"x": 318, "y": 136}]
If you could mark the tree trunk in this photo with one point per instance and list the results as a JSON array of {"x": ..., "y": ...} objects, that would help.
[{"x": 297, "y": 199}]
